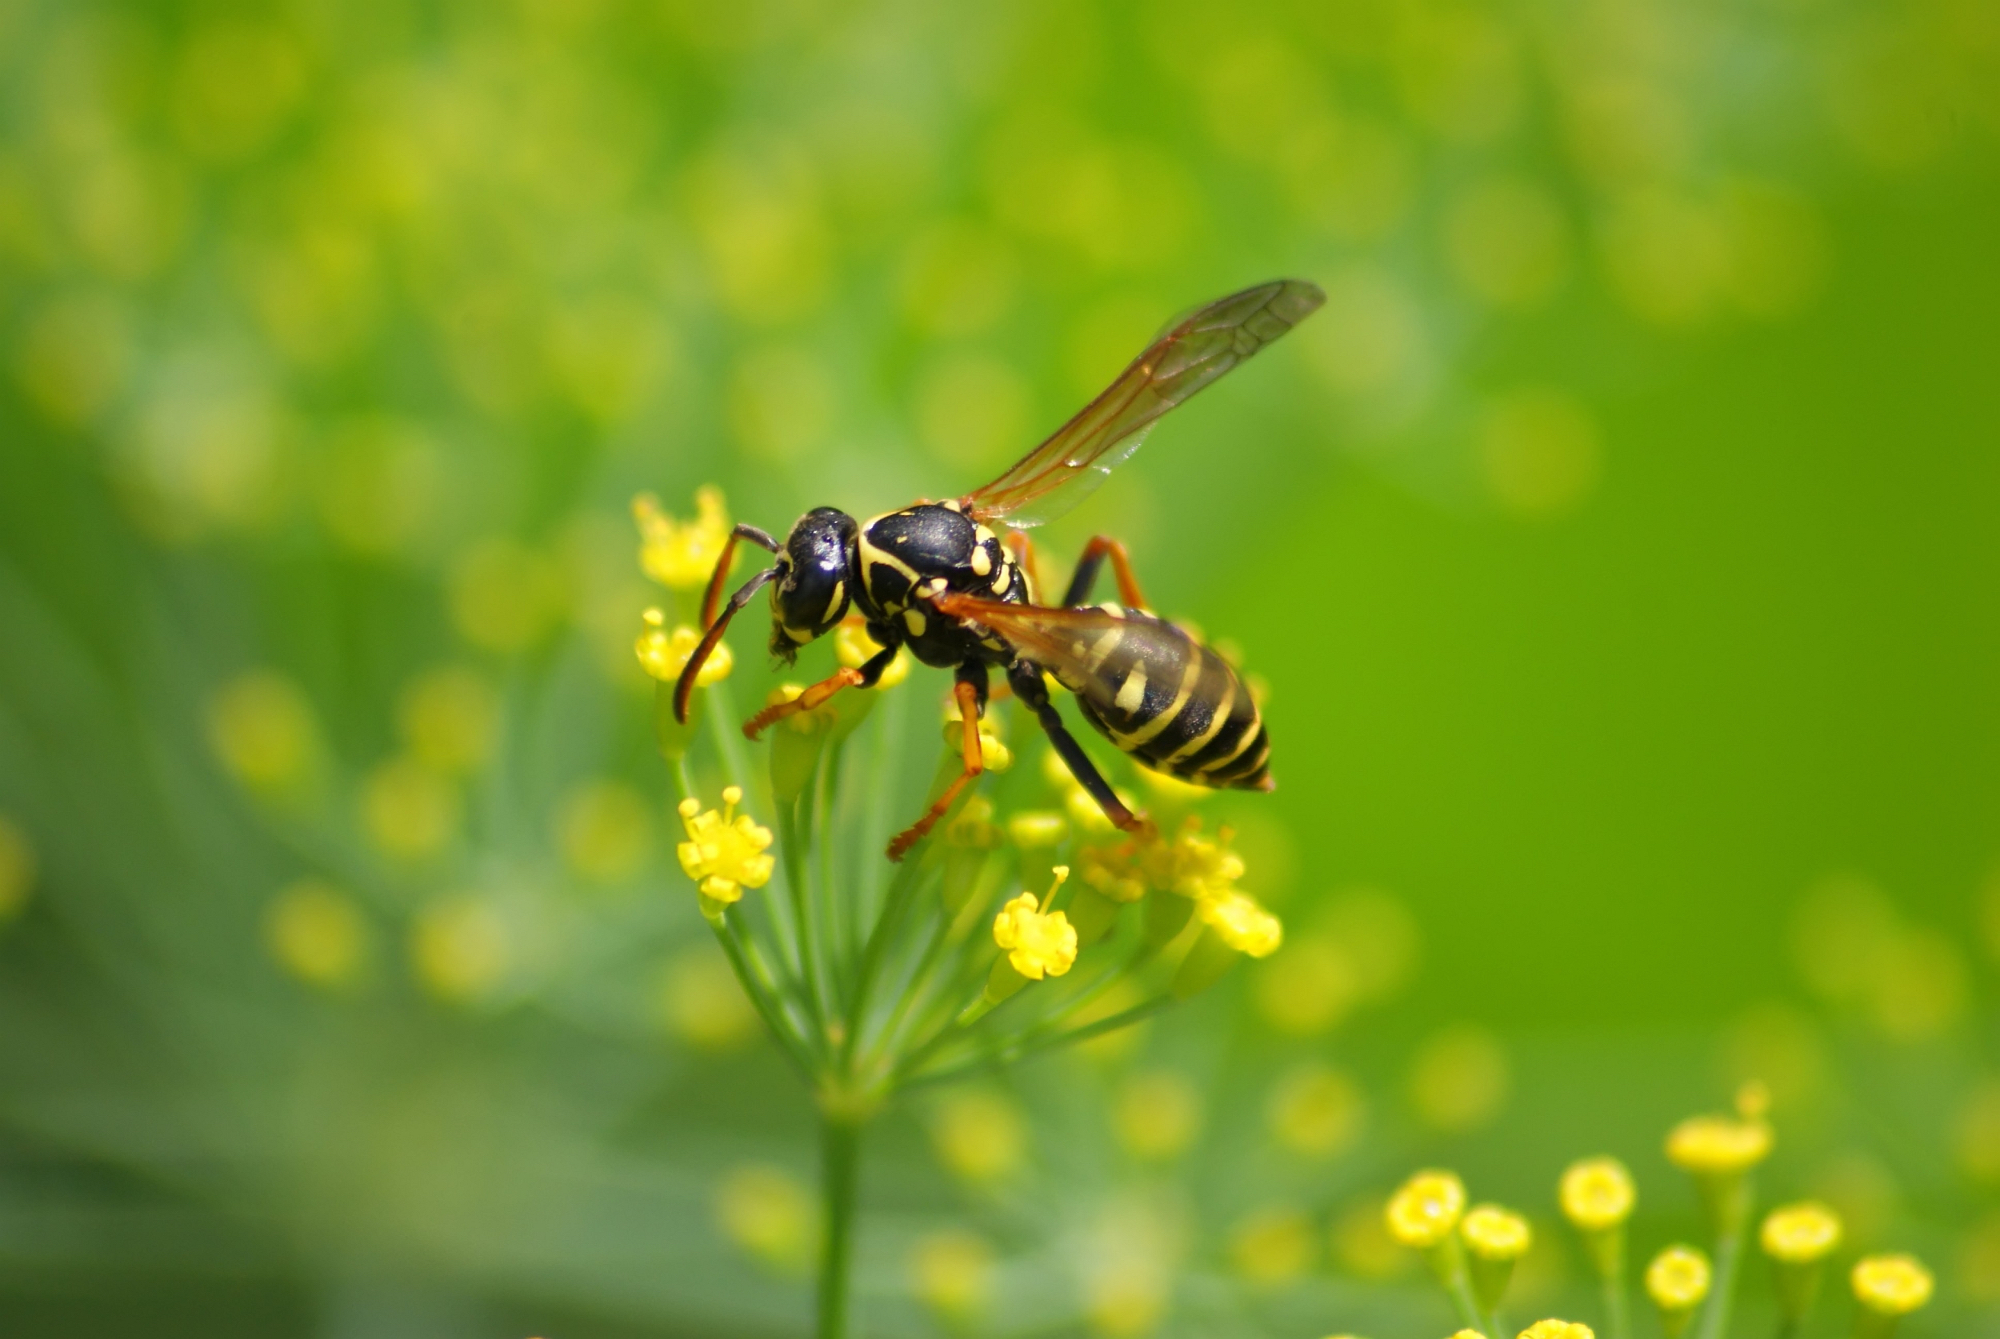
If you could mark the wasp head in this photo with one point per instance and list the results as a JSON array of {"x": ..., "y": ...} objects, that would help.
[{"x": 814, "y": 584}]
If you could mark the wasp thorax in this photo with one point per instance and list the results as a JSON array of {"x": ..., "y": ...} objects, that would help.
[{"x": 813, "y": 589}]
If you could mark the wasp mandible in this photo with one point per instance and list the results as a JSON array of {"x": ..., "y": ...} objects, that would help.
[{"x": 936, "y": 578}]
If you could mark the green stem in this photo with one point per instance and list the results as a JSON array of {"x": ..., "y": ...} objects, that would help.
[
  {"x": 1020, "y": 1048},
  {"x": 724, "y": 725},
  {"x": 1728, "y": 1254},
  {"x": 767, "y": 1007},
  {"x": 908, "y": 875},
  {"x": 840, "y": 1159},
  {"x": 1617, "y": 1309}
]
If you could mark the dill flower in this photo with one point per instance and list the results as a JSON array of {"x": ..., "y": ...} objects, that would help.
[
  {"x": 1798, "y": 1238},
  {"x": 1558, "y": 1329},
  {"x": 1468, "y": 1334},
  {"x": 681, "y": 554},
  {"x": 1719, "y": 1152},
  {"x": 1800, "y": 1234},
  {"x": 725, "y": 851},
  {"x": 1425, "y": 1209},
  {"x": 1597, "y": 1196},
  {"x": 1241, "y": 923},
  {"x": 1677, "y": 1281},
  {"x": 664, "y": 654},
  {"x": 1037, "y": 943},
  {"x": 1891, "y": 1285},
  {"x": 1202, "y": 867},
  {"x": 1495, "y": 1238}
]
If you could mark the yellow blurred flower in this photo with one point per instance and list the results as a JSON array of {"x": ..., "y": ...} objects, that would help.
[
  {"x": 725, "y": 851},
  {"x": 317, "y": 933},
  {"x": 1494, "y": 1233},
  {"x": 1558, "y": 1329},
  {"x": 853, "y": 647},
  {"x": 262, "y": 728},
  {"x": 1273, "y": 1245},
  {"x": 1241, "y": 923},
  {"x": 1425, "y": 1209},
  {"x": 1316, "y": 1110},
  {"x": 17, "y": 868},
  {"x": 768, "y": 1213},
  {"x": 460, "y": 948},
  {"x": 681, "y": 555},
  {"x": 1718, "y": 1145},
  {"x": 1459, "y": 1079},
  {"x": 1157, "y": 1114},
  {"x": 448, "y": 717},
  {"x": 605, "y": 830},
  {"x": 952, "y": 1272},
  {"x": 702, "y": 1003},
  {"x": 980, "y": 1135},
  {"x": 665, "y": 654},
  {"x": 1677, "y": 1280},
  {"x": 1799, "y": 1234},
  {"x": 409, "y": 811},
  {"x": 1036, "y": 829},
  {"x": 1597, "y": 1193},
  {"x": 1891, "y": 1285},
  {"x": 1036, "y": 943}
]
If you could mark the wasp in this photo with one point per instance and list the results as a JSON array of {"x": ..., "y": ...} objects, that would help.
[{"x": 935, "y": 577}]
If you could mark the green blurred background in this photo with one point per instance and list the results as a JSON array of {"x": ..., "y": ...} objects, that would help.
[{"x": 1620, "y": 547}]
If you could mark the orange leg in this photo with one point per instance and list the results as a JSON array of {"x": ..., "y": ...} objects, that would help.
[
  {"x": 806, "y": 701},
  {"x": 975, "y": 763},
  {"x": 1094, "y": 554},
  {"x": 1023, "y": 549}
]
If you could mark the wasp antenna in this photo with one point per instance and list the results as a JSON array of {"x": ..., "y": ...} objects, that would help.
[
  {"x": 713, "y": 595},
  {"x": 685, "y": 687}
]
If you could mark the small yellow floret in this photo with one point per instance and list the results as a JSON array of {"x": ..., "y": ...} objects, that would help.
[
  {"x": 1799, "y": 1234},
  {"x": 853, "y": 647},
  {"x": 1677, "y": 1280},
  {"x": 665, "y": 654},
  {"x": 1718, "y": 1145},
  {"x": 725, "y": 851},
  {"x": 1558, "y": 1329},
  {"x": 1036, "y": 829},
  {"x": 1037, "y": 944},
  {"x": 1242, "y": 924},
  {"x": 1597, "y": 1194},
  {"x": 1493, "y": 1233},
  {"x": 1891, "y": 1285},
  {"x": 681, "y": 554},
  {"x": 1201, "y": 867},
  {"x": 1425, "y": 1209}
]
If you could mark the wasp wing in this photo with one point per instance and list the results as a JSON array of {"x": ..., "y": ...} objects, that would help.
[
  {"x": 1195, "y": 351},
  {"x": 1056, "y": 638}
]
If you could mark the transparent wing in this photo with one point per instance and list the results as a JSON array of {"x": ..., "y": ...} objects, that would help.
[
  {"x": 1195, "y": 351},
  {"x": 1055, "y": 638}
]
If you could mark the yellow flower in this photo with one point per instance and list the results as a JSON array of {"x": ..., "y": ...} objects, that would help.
[
  {"x": 1037, "y": 829},
  {"x": 1558, "y": 1329},
  {"x": 1241, "y": 923},
  {"x": 1718, "y": 1145},
  {"x": 1114, "y": 871},
  {"x": 725, "y": 851},
  {"x": 1468, "y": 1334},
  {"x": 681, "y": 554},
  {"x": 1425, "y": 1209},
  {"x": 1037, "y": 944},
  {"x": 1597, "y": 1194},
  {"x": 262, "y": 727},
  {"x": 1891, "y": 1285},
  {"x": 1800, "y": 1234},
  {"x": 1677, "y": 1280},
  {"x": 1493, "y": 1233},
  {"x": 1273, "y": 1244},
  {"x": 664, "y": 654},
  {"x": 853, "y": 647},
  {"x": 1201, "y": 867}
]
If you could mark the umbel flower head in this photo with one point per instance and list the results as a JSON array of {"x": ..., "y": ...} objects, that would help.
[
  {"x": 1241, "y": 923},
  {"x": 1891, "y": 1285},
  {"x": 664, "y": 654},
  {"x": 1800, "y": 1234},
  {"x": 1425, "y": 1209},
  {"x": 1677, "y": 1281},
  {"x": 725, "y": 851},
  {"x": 1597, "y": 1194},
  {"x": 1037, "y": 943},
  {"x": 681, "y": 554},
  {"x": 1494, "y": 1233}
]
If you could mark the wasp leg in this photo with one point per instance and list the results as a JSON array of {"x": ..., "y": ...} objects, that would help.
[
  {"x": 1094, "y": 554},
  {"x": 1023, "y": 549},
  {"x": 713, "y": 595},
  {"x": 716, "y": 627},
  {"x": 865, "y": 677},
  {"x": 970, "y": 690},
  {"x": 1026, "y": 679}
]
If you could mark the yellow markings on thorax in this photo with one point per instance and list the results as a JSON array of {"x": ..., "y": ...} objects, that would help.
[
  {"x": 914, "y": 620},
  {"x": 982, "y": 561}
]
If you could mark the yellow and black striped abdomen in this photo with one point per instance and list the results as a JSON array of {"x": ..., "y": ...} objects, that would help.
[{"x": 1171, "y": 703}]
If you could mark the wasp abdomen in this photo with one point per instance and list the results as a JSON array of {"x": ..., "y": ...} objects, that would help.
[{"x": 1172, "y": 703}]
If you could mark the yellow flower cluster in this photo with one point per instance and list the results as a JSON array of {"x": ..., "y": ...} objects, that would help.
[
  {"x": 1241, "y": 923},
  {"x": 1677, "y": 1280},
  {"x": 1425, "y": 1209},
  {"x": 1891, "y": 1285},
  {"x": 681, "y": 554},
  {"x": 1037, "y": 943},
  {"x": 1597, "y": 1194},
  {"x": 1718, "y": 1145},
  {"x": 725, "y": 852},
  {"x": 1800, "y": 1234},
  {"x": 1558, "y": 1329},
  {"x": 1494, "y": 1233},
  {"x": 1193, "y": 865},
  {"x": 664, "y": 654}
]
